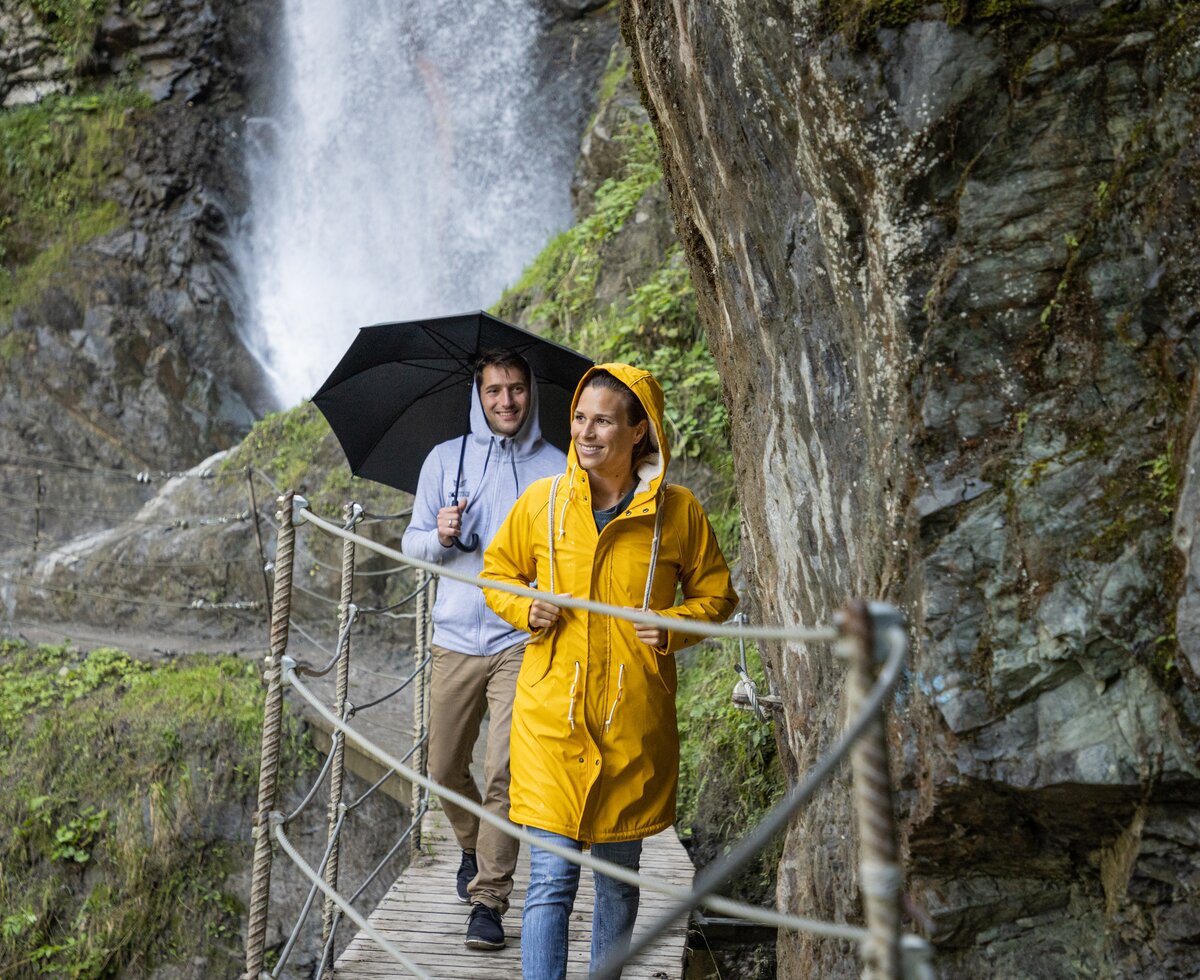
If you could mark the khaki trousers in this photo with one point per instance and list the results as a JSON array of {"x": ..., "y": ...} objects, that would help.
[{"x": 462, "y": 688}]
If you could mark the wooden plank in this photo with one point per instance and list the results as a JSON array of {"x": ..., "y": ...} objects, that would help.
[{"x": 422, "y": 916}]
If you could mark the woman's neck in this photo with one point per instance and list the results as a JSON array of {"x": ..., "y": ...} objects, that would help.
[{"x": 608, "y": 491}]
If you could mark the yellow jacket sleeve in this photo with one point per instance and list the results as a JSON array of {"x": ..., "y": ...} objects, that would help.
[
  {"x": 510, "y": 558},
  {"x": 708, "y": 593}
]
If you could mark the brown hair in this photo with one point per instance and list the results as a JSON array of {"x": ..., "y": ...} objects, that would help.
[
  {"x": 505, "y": 359},
  {"x": 635, "y": 412}
]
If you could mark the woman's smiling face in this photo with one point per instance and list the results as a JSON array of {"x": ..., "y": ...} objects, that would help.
[{"x": 602, "y": 435}]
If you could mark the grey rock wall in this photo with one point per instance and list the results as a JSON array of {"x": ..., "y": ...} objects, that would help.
[
  {"x": 128, "y": 355},
  {"x": 950, "y": 274}
]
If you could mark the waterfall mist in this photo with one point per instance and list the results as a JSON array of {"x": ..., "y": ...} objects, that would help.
[{"x": 403, "y": 173}]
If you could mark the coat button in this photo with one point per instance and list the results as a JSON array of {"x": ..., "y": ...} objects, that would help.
[
  {"x": 597, "y": 762},
  {"x": 581, "y": 758}
]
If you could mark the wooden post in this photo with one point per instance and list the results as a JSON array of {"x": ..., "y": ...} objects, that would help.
[
  {"x": 879, "y": 874},
  {"x": 260, "y": 881}
]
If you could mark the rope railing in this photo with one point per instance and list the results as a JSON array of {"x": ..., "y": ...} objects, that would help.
[
  {"x": 798, "y": 634},
  {"x": 324, "y": 878},
  {"x": 883, "y": 641}
]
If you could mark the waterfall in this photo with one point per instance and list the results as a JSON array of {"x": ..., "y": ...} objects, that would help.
[{"x": 401, "y": 174}]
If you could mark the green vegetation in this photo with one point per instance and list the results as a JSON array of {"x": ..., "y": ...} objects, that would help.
[
  {"x": 298, "y": 451},
  {"x": 55, "y": 156},
  {"x": 655, "y": 325},
  {"x": 112, "y": 863},
  {"x": 72, "y": 24},
  {"x": 729, "y": 770},
  {"x": 1161, "y": 473},
  {"x": 566, "y": 271}
]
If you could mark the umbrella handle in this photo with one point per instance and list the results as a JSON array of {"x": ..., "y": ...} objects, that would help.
[{"x": 472, "y": 545}]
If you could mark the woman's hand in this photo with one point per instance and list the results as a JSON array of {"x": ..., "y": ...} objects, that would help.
[
  {"x": 652, "y": 636},
  {"x": 542, "y": 614}
]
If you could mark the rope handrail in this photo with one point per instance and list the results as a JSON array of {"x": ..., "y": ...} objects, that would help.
[
  {"x": 347, "y": 909},
  {"x": 620, "y": 873},
  {"x": 403, "y": 685},
  {"x": 854, "y": 633},
  {"x": 196, "y": 605},
  {"x": 801, "y": 634},
  {"x": 111, "y": 472},
  {"x": 721, "y": 870},
  {"x": 126, "y": 517}
]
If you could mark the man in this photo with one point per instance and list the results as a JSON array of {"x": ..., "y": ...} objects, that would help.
[
  {"x": 466, "y": 488},
  {"x": 595, "y": 749}
]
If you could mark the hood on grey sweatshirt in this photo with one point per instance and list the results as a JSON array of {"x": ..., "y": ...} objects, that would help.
[{"x": 495, "y": 471}]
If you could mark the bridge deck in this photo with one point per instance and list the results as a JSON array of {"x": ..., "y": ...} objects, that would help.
[{"x": 422, "y": 917}]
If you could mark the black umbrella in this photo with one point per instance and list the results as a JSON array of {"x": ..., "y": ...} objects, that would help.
[{"x": 402, "y": 388}]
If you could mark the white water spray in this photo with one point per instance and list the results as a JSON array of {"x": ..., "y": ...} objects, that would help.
[{"x": 400, "y": 176}]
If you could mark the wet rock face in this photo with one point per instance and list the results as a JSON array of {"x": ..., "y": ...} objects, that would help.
[
  {"x": 951, "y": 275},
  {"x": 128, "y": 355}
]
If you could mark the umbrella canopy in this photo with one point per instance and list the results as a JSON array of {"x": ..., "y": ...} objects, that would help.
[{"x": 402, "y": 388}]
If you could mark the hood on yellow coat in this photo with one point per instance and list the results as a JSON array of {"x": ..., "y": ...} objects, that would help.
[{"x": 648, "y": 391}]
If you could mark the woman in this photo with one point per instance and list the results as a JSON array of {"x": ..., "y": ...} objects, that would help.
[{"x": 595, "y": 751}]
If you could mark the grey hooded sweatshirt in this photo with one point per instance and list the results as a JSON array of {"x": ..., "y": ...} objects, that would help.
[{"x": 495, "y": 472}]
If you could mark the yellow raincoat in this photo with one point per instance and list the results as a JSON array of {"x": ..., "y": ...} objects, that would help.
[{"x": 595, "y": 750}]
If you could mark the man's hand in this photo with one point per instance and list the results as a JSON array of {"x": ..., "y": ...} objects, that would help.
[
  {"x": 543, "y": 614},
  {"x": 449, "y": 522}
]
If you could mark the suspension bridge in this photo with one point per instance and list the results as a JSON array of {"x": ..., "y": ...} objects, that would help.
[{"x": 416, "y": 930}]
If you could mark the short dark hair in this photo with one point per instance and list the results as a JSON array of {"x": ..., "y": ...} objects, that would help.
[
  {"x": 635, "y": 412},
  {"x": 507, "y": 359}
]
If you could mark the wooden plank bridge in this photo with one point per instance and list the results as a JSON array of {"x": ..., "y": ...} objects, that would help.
[{"x": 421, "y": 916}]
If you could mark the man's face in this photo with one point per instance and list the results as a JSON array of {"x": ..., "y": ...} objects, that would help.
[{"x": 505, "y": 397}]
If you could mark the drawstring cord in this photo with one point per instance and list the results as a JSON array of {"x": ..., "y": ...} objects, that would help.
[
  {"x": 658, "y": 523},
  {"x": 562, "y": 520},
  {"x": 571, "y": 706},
  {"x": 617, "y": 700}
]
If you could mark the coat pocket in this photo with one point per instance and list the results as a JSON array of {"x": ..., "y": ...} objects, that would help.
[
  {"x": 539, "y": 654},
  {"x": 663, "y": 667}
]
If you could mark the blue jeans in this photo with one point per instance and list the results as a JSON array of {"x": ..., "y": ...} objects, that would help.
[{"x": 553, "y": 882}]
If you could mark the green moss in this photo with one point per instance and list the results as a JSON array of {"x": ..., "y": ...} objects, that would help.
[
  {"x": 284, "y": 445},
  {"x": 56, "y": 156},
  {"x": 108, "y": 765},
  {"x": 72, "y": 24},
  {"x": 730, "y": 776},
  {"x": 615, "y": 72},
  {"x": 655, "y": 326},
  {"x": 12, "y": 346},
  {"x": 294, "y": 445}
]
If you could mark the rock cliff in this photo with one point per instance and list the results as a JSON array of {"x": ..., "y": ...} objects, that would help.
[{"x": 946, "y": 259}]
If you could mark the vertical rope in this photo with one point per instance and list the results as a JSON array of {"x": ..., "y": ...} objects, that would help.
[
  {"x": 260, "y": 880},
  {"x": 880, "y": 876},
  {"x": 420, "y": 709},
  {"x": 350, "y": 516},
  {"x": 262, "y": 555}
]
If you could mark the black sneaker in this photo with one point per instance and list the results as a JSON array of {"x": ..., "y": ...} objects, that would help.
[
  {"x": 484, "y": 930},
  {"x": 468, "y": 868}
]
